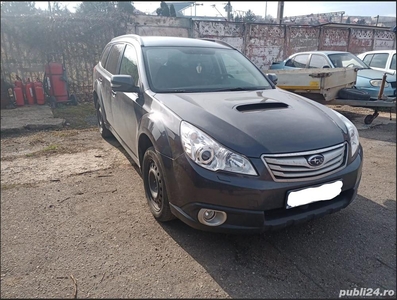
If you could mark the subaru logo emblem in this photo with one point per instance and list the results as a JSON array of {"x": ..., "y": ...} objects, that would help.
[{"x": 315, "y": 160}]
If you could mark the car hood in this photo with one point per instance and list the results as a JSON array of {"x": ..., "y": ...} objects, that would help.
[
  {"x": 375, "y": 74},
  {"x": 257, "y": 122}
]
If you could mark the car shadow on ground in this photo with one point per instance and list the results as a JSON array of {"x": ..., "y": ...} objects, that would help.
[
  {"x": 388, "y": 132},
  {"x": 353, "y": 248},
  {"x": 387, "y": 127},
  {"x": 115, "y": 143}
]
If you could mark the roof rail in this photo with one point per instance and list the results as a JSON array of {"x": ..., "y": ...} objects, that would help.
[
  {"x": 135, "y": 36},
  {"x": 219, "y": 42}
]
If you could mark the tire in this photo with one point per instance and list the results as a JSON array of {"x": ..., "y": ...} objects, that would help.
[
  {"x": 368, "y": 119},
  {"x": 103, "y": 130},
  {"x": 154, "y": 184},
  {"x": 353, "y": 94}
]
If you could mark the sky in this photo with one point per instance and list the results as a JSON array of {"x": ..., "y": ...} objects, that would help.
[{"x": 362, "y": 8}]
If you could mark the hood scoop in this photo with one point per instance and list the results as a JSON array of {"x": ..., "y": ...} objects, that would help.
[{"x": 261, "y": 106}]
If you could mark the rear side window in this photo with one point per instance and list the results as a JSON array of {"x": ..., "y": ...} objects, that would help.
[
  {"x": 105, "y": 55},
  {"x": 379, "y": 60},
  {"x": 298, "y": 61},
  {"x": 318, "y": 61},
  {"x": 112, "y": 64},
  {"x": 129, "y": 65},
  {"x": 393, "y": 62}
]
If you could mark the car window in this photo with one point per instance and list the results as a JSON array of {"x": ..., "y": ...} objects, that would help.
[
  {"x": 345, "y": 60},
  {"x": 233, "y": 67},
  {"x": 289, "y": 63},
  {"x": 298, "y": 61},
  {"x": 105, "y": 54},
  {"x": 318, "y": 61},
  {"x": 367, "y": 59},
  {"x": 393, "y": 62},
  {"x": 129, "y": 65},
  {"x": 379, "y": 60},
  {"x": 190, "y": 69},
  {"x": 112, "y": 63}
]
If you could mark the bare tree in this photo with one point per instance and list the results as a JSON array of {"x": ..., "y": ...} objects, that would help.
[{"x": 18, "y": 8}]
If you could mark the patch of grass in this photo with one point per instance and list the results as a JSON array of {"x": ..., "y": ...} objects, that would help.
[
  {"x": 8, "y": 186},
  {"x": 78, "y": 116},
  {"x": 66, "y": 133},
  {"x": 49, "y": 149},
  {"x": 36, "y": 141},
  {"x": 14, "y": 185}
]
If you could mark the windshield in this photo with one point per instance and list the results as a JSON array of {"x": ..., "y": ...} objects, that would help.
[
  {"x": 347, "y": 60},
  {"x": 192, "y": 69}
]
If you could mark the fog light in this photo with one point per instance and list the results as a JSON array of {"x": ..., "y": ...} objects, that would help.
[{"x": 211, "y": 217}]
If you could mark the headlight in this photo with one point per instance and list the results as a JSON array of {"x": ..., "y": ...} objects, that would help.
[
  {"x": 207, "y": 153},
  {"x": 353, "y": 133},
  {"x": 378, "y": 82}
]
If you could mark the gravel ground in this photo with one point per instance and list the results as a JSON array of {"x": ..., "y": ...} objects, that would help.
[{"x": 75, "y": 223}]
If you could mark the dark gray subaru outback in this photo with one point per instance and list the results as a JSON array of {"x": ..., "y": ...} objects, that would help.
[{"x": 219, "y": 145}]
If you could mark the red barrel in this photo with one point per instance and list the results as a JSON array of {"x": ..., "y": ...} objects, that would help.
[
  {"x": 18, "y": 96},
  {"x": 55, "y": 80},
  {"x": 29, "y": 92},
  {"x": 19, "y": 92},
  {"x": 39, "y": 92},
  {"x": 19, "y": 84}
]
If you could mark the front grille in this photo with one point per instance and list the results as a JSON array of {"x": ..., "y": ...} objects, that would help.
[{"x": 295, "y": 166}]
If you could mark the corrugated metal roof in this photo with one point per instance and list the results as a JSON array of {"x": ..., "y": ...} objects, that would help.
[{"x": 180, "y": 5}]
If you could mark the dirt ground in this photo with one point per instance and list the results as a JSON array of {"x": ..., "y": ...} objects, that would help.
[{"x": 75, "y": 223}]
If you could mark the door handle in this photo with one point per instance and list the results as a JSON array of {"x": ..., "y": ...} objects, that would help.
[
  {"x": 100, "y": 79},
  {"x": 114, "y": 93}
]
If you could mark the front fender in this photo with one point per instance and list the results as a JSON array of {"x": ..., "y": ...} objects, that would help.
[{"x": 163, "y": 131}]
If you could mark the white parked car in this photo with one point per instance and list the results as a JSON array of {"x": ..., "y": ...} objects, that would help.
[{"x": 382, "y": 60}]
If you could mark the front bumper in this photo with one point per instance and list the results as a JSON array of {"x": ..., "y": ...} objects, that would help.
[
  {"x": 374, "y": 91},
  {"x": 253, "y": 203}
]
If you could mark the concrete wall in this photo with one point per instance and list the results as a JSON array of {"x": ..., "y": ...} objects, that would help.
[
  {"x": 384, "y": 40},
  {"x": 262, "y": 43},
  {"x": 334, "y": 39},
  {"x": 163, "y": 26},
  {"x": 266, "y": 43}
]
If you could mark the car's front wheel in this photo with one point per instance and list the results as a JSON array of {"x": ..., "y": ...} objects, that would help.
[
  {"x": 155, "y": 190},
  {"x": 105, "y": 133}
]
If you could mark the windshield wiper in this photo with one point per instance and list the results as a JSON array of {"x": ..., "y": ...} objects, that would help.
[
  {"x": 172, "y": 91},
  {"x": 240, "y": 89}
]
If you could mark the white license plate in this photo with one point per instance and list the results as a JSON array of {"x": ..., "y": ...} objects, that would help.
[{"x": 321, "y": 193}]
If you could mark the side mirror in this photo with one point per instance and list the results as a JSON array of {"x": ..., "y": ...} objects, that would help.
[
  {"x": 123, "y": 83},
  {"x": 273, "y": 78}
]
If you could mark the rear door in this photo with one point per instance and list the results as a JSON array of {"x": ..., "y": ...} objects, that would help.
[{"x": 112, "y": 67}]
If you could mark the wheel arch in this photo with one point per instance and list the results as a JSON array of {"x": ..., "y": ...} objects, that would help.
[{"x": 144, "y": 143}]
